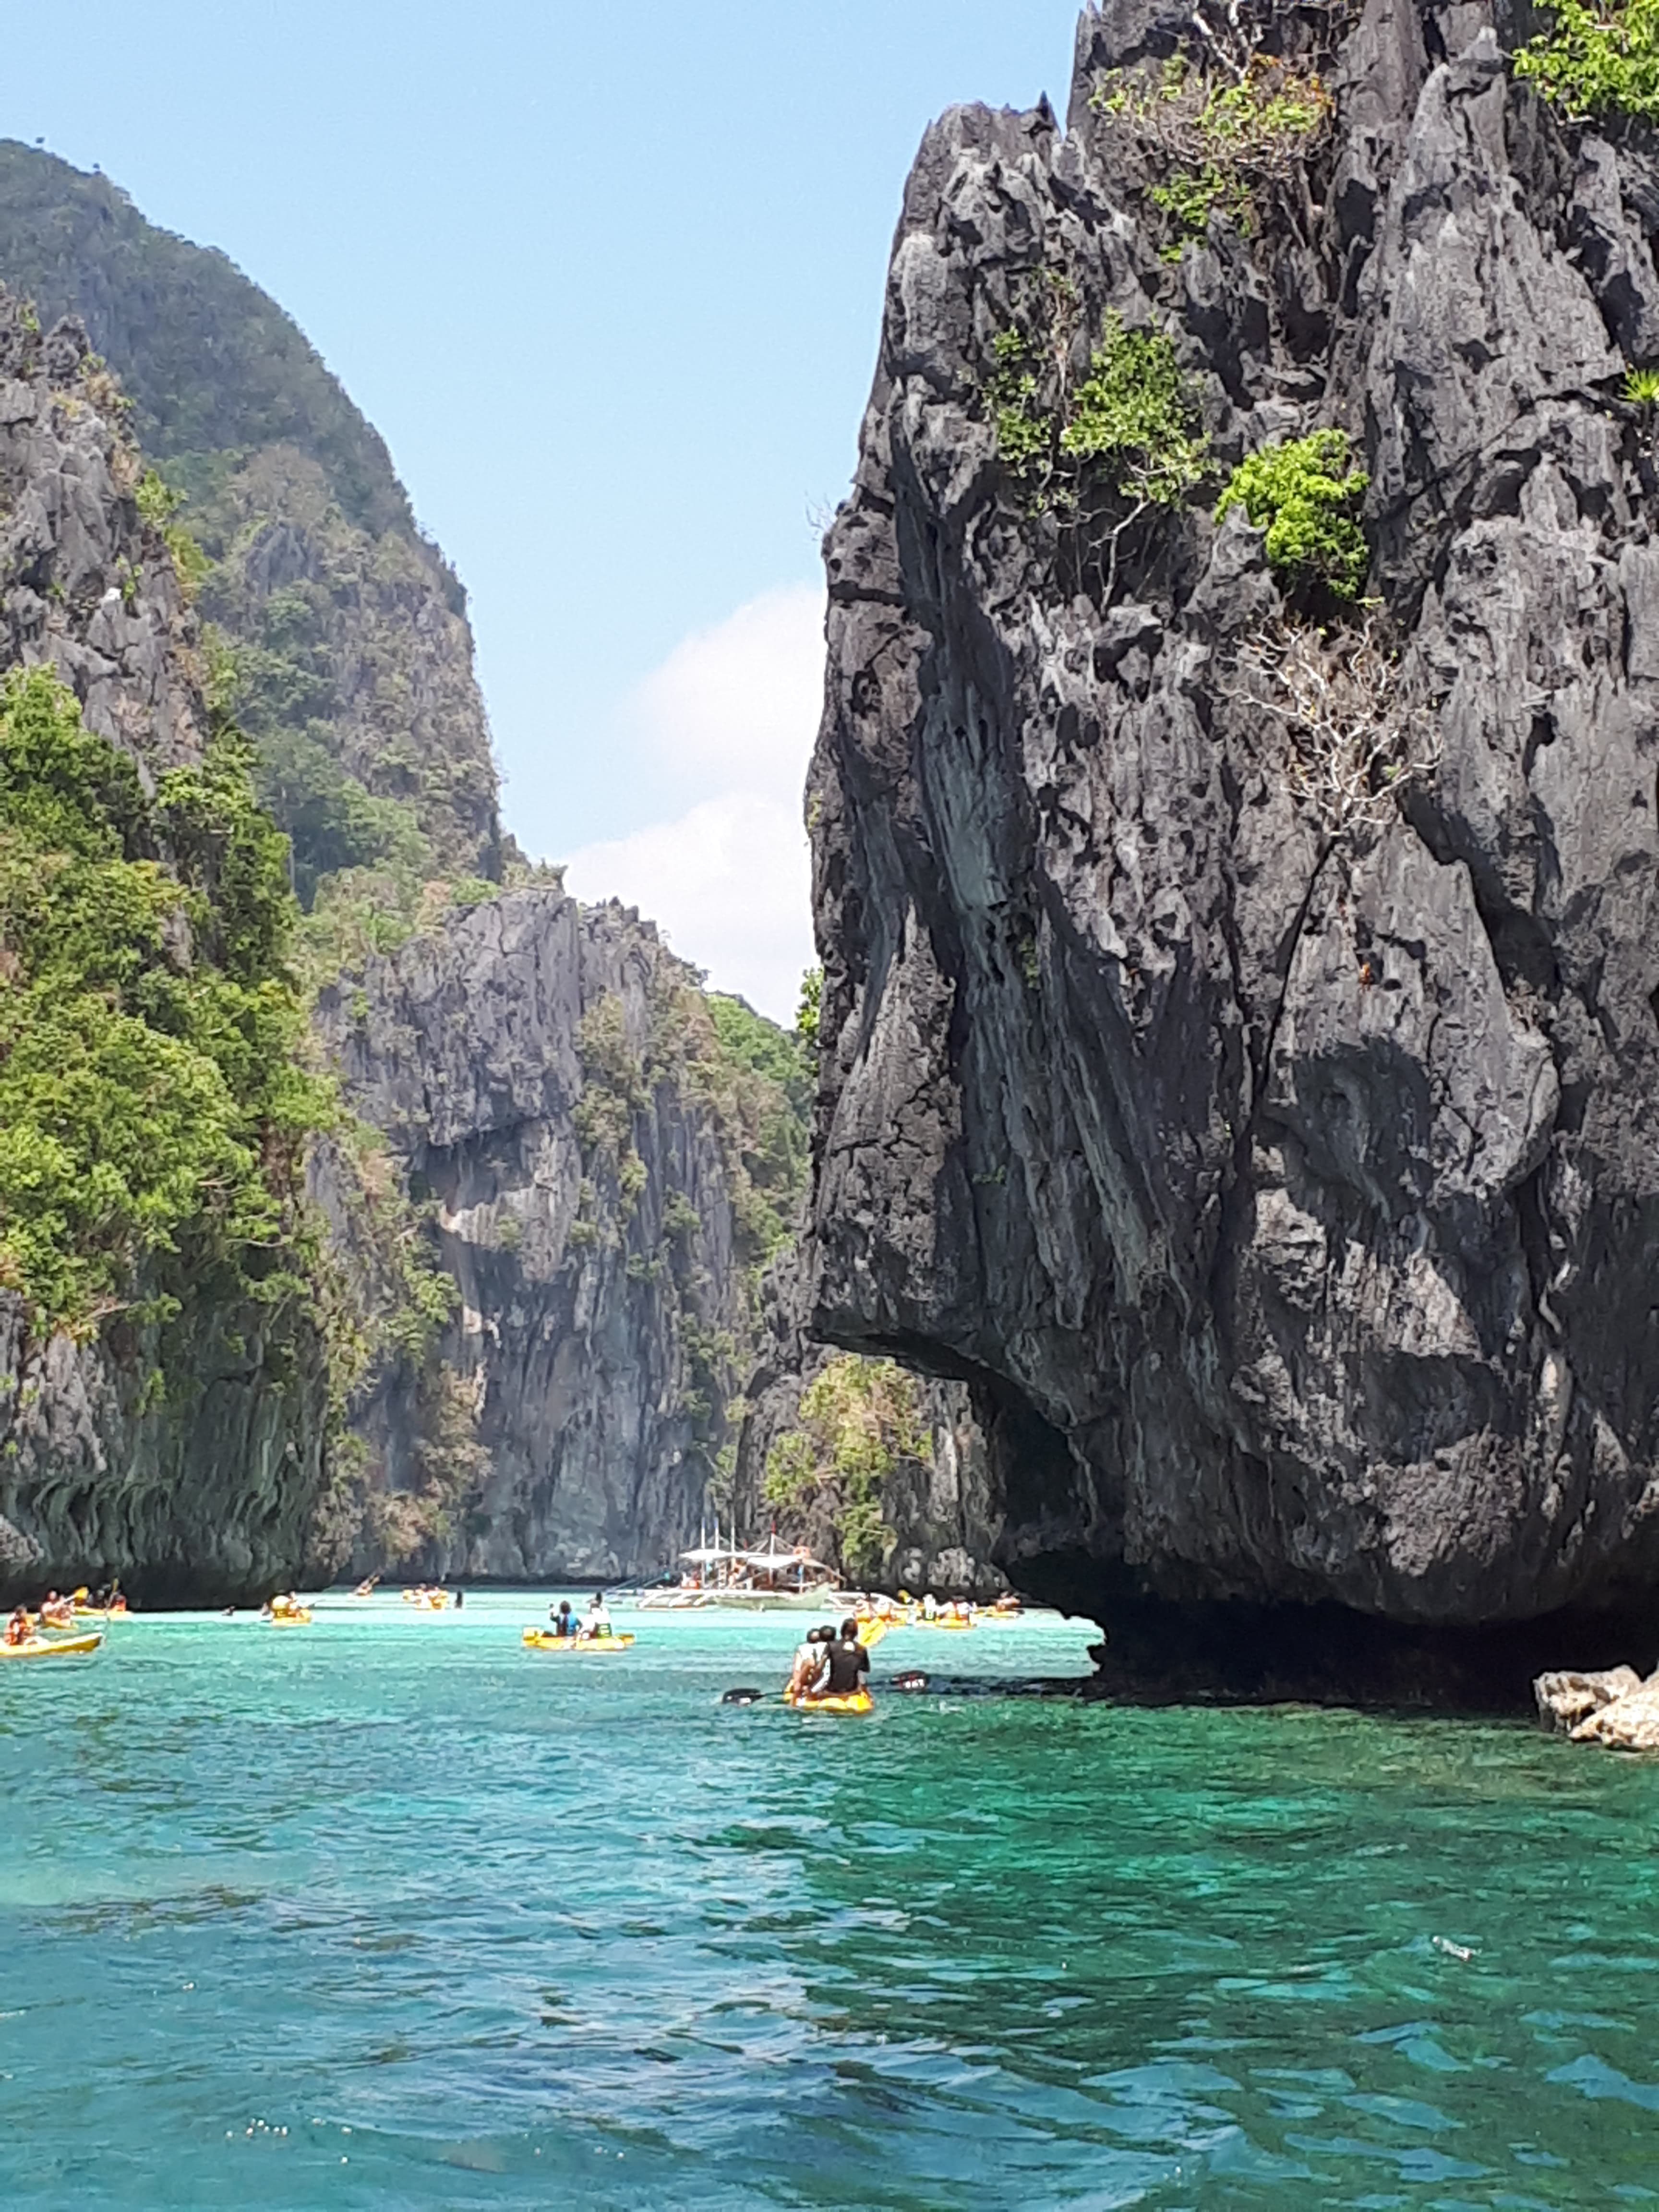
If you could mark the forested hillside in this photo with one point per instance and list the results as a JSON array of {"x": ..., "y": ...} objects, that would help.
[
  {"x": 348, "y": 652},
  {"x": 551, "y": 1168}
]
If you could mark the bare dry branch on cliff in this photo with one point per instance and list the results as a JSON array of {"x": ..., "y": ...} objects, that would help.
[{"x": 1355, "y": 746}]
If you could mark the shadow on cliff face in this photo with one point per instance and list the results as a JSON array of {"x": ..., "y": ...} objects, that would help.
[
  {"x": 1156, "y": 1651},
  {"x": 1161, "y": 1651}
]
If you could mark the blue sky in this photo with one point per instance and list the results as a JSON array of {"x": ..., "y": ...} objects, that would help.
[{"x": 608, "y": 279}]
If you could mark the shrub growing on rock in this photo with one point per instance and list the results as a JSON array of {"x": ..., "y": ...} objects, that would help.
[
  {"x": 1304, "y": 494},
  {"x": 1129, "y": 431},
  {"x": 1229, "y": 132},
  {"x": 1597, "y": 60}
]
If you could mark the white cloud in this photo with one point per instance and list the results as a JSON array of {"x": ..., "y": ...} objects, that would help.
[
  {"x": 729, "y": 884},
  {"x": 728, "y": 721},
  {"x": 736, "y": 707}
]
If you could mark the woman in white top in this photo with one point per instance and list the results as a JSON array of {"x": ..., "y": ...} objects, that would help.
[{"x": 598, "y": 1622}]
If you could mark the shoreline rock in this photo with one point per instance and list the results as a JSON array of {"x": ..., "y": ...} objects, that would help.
[{"x": 1615, "y": 1708}]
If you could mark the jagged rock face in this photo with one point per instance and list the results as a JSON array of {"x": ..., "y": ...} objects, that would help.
[
  {"x": 941, "y": 1508},
  {"x": 593, "y": 1319},
  {"x": 1292, "y": 1204},
  {"x": 202, "y": 1492},
  {"x": 84, "y": 586},
  {"x": 199, "y": 1495}
]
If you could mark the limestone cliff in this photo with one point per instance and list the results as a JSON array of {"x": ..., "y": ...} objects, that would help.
[
  {"x": 183, "y": 1453},
  {"x": 589, "y": 1160},
  {"x": 1285, "y": 1183},
  {"x": 569, "y": 1161}
]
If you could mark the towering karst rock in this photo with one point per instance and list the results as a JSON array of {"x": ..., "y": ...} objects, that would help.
[
  {"x": 554, "y": 1095},
  {"x": 177, "y": 1442},
  {"x": 1280, "y": 1167},
  {"x": 556, "y": 1174}
]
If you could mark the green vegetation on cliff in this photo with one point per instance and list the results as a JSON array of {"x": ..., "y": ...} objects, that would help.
[
  {"x": 1597, "y": 61},
  {"x": 1102, "y": 450},
  {"x": 346, "y": 658},
  {"x": 1305, "y": 494},
  {"x": 152, "y": 1108},
  {"x": 210, "y": 362},
  {"x": 858, "y": 1420},
  {"x": 1219, "y": 136},
  {"x": 749, "y": 1076}
]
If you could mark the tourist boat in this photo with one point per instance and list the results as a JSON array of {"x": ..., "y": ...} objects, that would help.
[
  {"x": 779, "y": 1579},
  {"x": 52, "y": 1647}
]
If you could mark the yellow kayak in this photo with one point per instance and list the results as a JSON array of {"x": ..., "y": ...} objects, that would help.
[
  {"x": 923, "y": 1622},
  {"x": 302, "y": 1618},
  {"x": 542, "y": 1639},
  {"x": 852, "y": 1701},
  {"x": 59, "y": 1647}
]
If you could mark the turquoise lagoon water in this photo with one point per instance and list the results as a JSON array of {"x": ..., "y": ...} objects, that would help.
[{"x": 390, "y": 1913}]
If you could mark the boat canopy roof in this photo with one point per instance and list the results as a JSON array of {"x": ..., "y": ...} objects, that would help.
[
  {"x": 705, "y": 1554},
  {"x": 781, "y": 1555}
]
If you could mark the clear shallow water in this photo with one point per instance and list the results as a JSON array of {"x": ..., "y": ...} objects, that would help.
[{"x": 389, "y": 1914}]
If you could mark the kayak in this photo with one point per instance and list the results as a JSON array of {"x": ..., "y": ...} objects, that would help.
[
  {"x": 925, "y": 1622},
  {"x": 40, "y": 1647},
  {"x": 542, "y": 1639},
  {"x": 302, "y": 1618},
  {"x": 851, "y": 1701}
]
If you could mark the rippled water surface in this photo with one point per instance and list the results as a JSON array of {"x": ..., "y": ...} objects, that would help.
[{"x": 389, "y": 1912}]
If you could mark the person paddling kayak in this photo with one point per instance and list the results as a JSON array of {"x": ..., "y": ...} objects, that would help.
[{"x": 849, "y": 1663}]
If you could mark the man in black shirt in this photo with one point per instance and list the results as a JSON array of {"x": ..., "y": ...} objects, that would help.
[{"x": 849, "y": 1663}]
